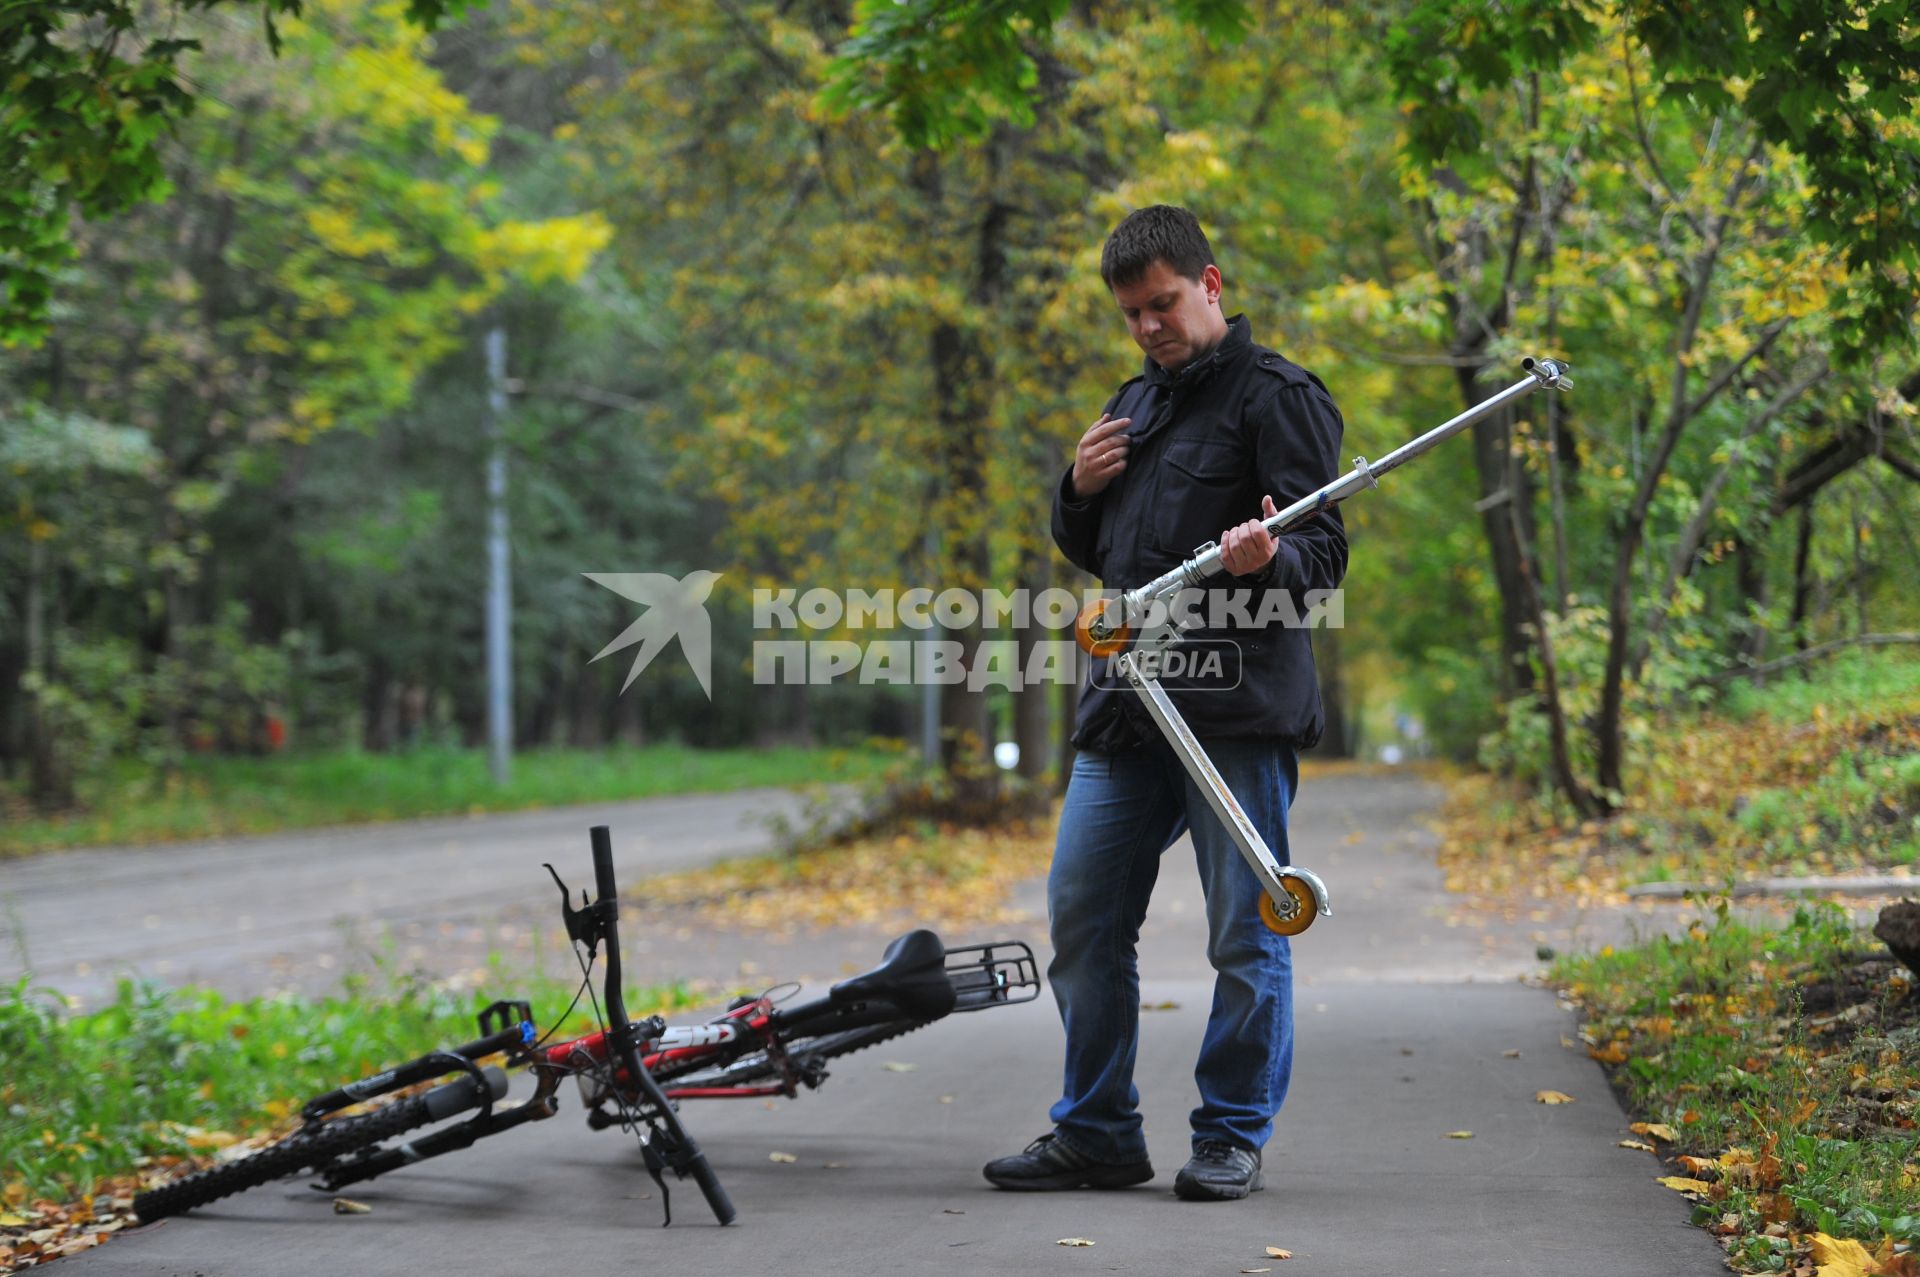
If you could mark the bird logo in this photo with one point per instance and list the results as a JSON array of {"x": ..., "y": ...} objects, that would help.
[{"x": 675, "y": 608}]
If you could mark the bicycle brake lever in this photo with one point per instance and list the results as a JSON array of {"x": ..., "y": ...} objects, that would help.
[{"x": 581, "y": 924}]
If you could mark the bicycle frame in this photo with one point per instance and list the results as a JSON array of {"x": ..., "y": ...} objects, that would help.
[{"x": 626, "y": 1070}]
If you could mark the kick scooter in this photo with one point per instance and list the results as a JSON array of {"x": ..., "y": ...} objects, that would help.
[{"x": 1293, "y": 896}]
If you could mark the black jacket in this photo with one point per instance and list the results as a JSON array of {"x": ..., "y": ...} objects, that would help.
[{"x": 1207, "y": 442}]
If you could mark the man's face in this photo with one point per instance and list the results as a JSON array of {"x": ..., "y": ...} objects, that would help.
[{"x": 1173, "y": 318}]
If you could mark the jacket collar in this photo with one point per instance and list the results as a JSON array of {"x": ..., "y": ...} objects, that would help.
[{"x": 1238, "y": 340}]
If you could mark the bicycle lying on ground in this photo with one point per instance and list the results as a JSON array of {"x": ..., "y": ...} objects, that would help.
[{"x": 631, "y": 1073}]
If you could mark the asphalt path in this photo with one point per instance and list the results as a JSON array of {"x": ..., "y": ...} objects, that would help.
[
  {"x": 251, "y": 915},
  {"x": 1413, "y": 1021}
]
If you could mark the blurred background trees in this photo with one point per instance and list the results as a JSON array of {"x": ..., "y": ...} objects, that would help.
[{"x": 809, "y": 296}]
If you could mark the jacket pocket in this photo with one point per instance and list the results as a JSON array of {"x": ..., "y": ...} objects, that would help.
[{"x": 1200, "y": 494}]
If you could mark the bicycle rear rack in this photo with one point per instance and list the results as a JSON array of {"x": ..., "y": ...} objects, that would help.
[{"x": 988, "y": 975}]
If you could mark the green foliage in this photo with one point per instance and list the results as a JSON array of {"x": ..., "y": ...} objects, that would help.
[
  {"x": 333, "y": 228},
  {"x": 1797, "y": 1115},
  {"x": 82, "y": 125},
  {"x": 946, "y": 72},
  {"x": 1833, "y": 87},
  {"x": 1808, "y": 777},
  {"x": 1848, "y": 683},
  {"x": 159, "y": 1073}
]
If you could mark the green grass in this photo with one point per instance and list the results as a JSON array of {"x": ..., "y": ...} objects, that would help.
[
  {"x": 1859, "y": 680},
  {"x": 1710, "y": 1034},
  {"x": 218, "y": 797},
  {"x": 159, "y": 1073}
]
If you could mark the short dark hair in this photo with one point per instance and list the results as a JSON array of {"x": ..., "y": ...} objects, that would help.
[{"x": 1159, "y": 232}]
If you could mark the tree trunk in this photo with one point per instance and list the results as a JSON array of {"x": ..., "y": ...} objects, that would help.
[
  {"x": 1802, "y": 576},
  {"x": 629, "y": 721},
  {"x": 1681, "y": 411},
  {"x": 1500, "y": 485},
  {"x": 1560, "y": 760},
  {"x": 1030, "y": 702},
  {"x": 1750, "y": 574},
  {"x": 50, "y": 778},
  {"x": 586, "y": 728},
  {"x": 963, "y": 375}
]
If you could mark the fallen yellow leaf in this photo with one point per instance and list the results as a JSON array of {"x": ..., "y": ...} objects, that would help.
[
  {"x": 1159, "y": 1006},
  {"x": 1553, "y": 1097},
  {"x": 206, "y": 1140},
  {"x": 1511, "y": 1055},
  {"x": 11, "y": 1220},
  {"x": 1274, "y": 1252},
  {"x": 1681, "y": 1184},
  {"x": 1256, "y": 1270},
  {"x": 1459, "y": 1135},
  {"x": 1073, "y": 1241},
  {"x": 1659, "y": 1130},
  {"x": 895, "y": 1066},
  {"x": 1841, "y": 1257},
  {"x": 781, "y": 1157},
  {"x": 1641, "y": 1145},
  {"x": 347, "y": 1206}
]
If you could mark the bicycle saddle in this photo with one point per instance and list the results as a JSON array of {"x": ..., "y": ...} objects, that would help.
[{"x": 912, "y": 975}]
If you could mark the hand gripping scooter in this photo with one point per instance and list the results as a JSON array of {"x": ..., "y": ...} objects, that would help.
[{"x": 1294, "y": 897}]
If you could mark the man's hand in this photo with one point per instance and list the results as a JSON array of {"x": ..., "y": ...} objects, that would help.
[
  {"x": 1101, "y": 456},
  {"x": 1246, "y": 549}
]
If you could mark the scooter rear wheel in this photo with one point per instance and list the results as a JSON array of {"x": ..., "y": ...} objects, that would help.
[{"x": 1305, "y": 908}]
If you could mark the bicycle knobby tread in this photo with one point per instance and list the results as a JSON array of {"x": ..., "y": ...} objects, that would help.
[{"x": 297, "y": 1152}]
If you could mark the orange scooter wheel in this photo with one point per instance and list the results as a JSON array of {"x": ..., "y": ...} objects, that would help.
[
  {"x": 1117, "y": 637},
  {"x": 1304, "y": 911}
]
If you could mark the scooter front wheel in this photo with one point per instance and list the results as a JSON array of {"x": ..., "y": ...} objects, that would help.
[
  {"x": 1101, "y": 629},
  {"x": 1291, "y": 919}
]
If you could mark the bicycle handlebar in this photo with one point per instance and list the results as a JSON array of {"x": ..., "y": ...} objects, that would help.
[
  {"x": 710, "y": 1187},
  {"x": 686, "y": 1157}
]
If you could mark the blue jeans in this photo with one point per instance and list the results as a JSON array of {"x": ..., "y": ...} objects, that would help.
[{"x": 1122, "y": 811}]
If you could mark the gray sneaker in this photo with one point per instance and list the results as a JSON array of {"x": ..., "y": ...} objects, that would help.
[
  {"x": 1219, "y": 1172},
  {"x": 1049, "y": 1164}
]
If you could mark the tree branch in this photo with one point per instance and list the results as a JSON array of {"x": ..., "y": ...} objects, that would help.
[
  {"x": 1801, "y": 658},
  {"x": 1725, "y": 376},
  {"x": 1646, "y": 143},
  {"x": 1686, "y": 550}
]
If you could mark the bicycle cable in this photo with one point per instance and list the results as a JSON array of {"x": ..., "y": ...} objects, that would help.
[{"x": 555, "y": 1027}]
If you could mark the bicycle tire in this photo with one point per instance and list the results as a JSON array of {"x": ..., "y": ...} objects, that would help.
[
  {"x": 825, "y": 1046},
  {"x": 297, "y": 1152}
]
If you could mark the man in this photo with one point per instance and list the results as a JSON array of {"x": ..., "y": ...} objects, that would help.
[{"x": 1208, "y": 437}]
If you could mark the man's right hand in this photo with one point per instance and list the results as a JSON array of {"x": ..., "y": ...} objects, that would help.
[{"x": 1101, "y": 456}]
